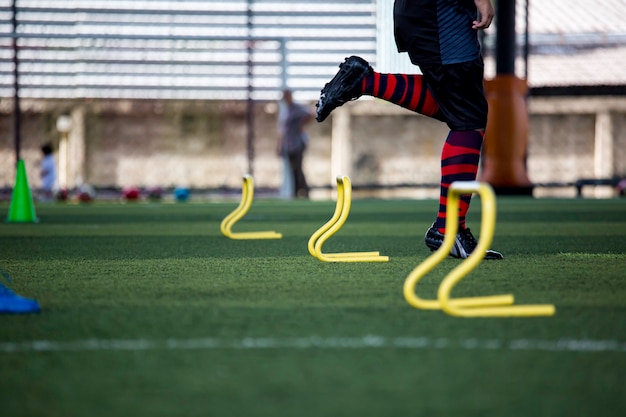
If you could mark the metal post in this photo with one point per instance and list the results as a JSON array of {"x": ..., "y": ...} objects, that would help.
[
  {"x": 250, "y": 101},
  {"x": 505, "y": 38},
  {"x": 526, "y": 39},
  {"x": 64, "y": 125},
  {"x": 506, "y": 144},
  {"x": 17, "y": 112},
  {"x": 283, "y": 63}
]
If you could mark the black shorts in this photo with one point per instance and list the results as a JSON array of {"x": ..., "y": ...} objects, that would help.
[{"x": 459, "y": 91}]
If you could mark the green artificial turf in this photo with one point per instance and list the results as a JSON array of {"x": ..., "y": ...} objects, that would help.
[{"x": 147, "y": 310}]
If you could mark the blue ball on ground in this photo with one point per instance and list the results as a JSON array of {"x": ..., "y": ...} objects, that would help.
[{"x": 181, "y": 194}]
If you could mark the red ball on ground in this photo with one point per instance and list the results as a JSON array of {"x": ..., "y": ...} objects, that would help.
[{"x": 131, "y": 193}]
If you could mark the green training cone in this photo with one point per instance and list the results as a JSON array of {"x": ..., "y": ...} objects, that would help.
[{"x": 22, "y": 209}]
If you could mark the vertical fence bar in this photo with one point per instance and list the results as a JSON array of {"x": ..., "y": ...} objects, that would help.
[
  {"x": 283, "y": 63},
  {"x": 17, "y": 111},
  {"x": 250, "y": 100}
]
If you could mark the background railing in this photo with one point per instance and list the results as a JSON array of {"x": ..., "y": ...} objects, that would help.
[
  {"x": 204, "y": 49},
  {"x": 180, "y": 49}
]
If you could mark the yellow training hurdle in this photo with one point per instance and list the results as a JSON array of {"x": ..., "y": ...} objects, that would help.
[
  {"x": 488, "y": 306},
  {"x": 342, "y": 210},
  {"x": 247, "y": 195}
]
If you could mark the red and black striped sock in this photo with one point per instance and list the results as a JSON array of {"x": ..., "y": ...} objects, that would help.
[
  {"x": 406, "y": 90},
  {"x": 459, "y": 162}
]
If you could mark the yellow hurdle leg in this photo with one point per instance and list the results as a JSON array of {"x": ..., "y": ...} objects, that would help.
[
  {"x": 247, "y": 195},
  {"x": 439, "y": 255},
  {"x": 338, "y": 209},
  {"x": 490, "y": 306},
  {"x": 342, "y": 210},
  {"x": 244, "y": 205},
  {"x": 483, "y": 308}
]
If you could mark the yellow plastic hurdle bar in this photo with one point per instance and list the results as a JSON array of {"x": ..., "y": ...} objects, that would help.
[
  {"x": 342, "y": 210},
  {"x": 488, "y": 306},
  {"x": 247, "y": 195}
]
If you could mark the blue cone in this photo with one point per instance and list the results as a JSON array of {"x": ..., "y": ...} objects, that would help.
[{"x": 11, "y": 303}]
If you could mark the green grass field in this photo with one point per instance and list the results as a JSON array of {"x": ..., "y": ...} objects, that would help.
[{"x": 147, "y": 310}]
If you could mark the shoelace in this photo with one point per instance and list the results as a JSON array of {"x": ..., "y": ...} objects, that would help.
[{"x": 467, "y": 239}]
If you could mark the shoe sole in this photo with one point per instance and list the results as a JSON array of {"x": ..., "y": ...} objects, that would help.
[
  {"x": 336, "y": 83},
  {"x": 433, "y": 246}
]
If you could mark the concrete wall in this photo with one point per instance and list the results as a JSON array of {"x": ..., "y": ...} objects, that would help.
[{"x": 203, "y": 144}]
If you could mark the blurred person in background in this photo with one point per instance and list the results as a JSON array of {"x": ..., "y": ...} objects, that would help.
[
  {"x": 48, "y": 173},
  {"x": 293, "y": 141}
]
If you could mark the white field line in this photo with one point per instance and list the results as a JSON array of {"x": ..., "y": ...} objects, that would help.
[{"x": 314, "y": 342}]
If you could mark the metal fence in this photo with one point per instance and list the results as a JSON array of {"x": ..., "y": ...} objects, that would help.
[
  {"x": 181, "y": 49},
  {"x": 221, "y": 49}
]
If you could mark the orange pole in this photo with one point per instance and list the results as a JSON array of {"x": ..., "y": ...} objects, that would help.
[{"x": 506, "y": 138}]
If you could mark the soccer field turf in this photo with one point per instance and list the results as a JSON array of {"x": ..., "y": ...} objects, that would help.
[{"x": 147, "y": 310}]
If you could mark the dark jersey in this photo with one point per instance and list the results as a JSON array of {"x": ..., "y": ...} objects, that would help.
[{"x": 436, "y": 32}]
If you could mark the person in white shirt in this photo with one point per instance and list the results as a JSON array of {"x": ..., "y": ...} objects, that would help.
[{"x": 48, "y": 173}]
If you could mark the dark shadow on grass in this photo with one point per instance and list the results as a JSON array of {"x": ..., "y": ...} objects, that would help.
[{"x": 181, "y": 247}]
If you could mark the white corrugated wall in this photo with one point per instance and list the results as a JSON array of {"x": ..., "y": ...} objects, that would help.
[{"x": 388, "y": 59}]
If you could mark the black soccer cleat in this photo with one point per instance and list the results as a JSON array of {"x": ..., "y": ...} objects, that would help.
[
  {"x": 345, "y": 86},
  {"x": 464, "y": 244}
]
